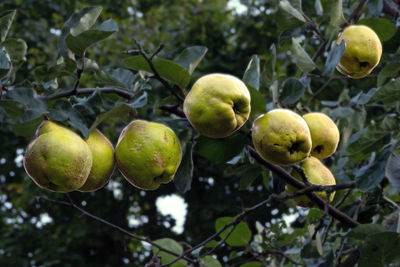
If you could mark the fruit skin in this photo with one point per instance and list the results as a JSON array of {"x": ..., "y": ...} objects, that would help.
[
  {"x": 103, "y": 162},
  {"x": 362, "y": 53},
  {"x": 148, "y": 154},
  {"x": 281, "y": 137},
  {"x": 57, "y": 159},
  {"x": 325, "y": 135},
  {"x": 217, "y": 105},
  {"x": 317, "y": 173}
]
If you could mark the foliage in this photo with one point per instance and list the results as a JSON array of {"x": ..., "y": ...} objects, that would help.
[{"x": 65, "y": 60}]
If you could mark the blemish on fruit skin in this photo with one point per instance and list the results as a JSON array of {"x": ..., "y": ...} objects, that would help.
[{"x": 165, "y": 137}]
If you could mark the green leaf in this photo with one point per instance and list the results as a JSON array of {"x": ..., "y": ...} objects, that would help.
[
  {"x": 285, "y": 5},
  {"x": 257, "y": 102},
  {"x": 191, "y": 57},
  {"x": 380, "y": 249},
  {"x": 251, "y": 75},
  {"x": 251, "y": 264},
  {"x": 369, "y": 176},
  {"x": 210, "y": 261},
  {"x": 27, "y": 129},
  {"x": 12, "y": 108},
  {"x": 248, "y": 175},
  {"x": 6, "y": 19},
  {"x": 171, "y": 245},
  {"x": 45, "y": 74},
  {"x": 388, "y": 71},
  {"x": 119, "y": 111},
  {"x": 33, "y": 106},
  {"x": 220, "y": 150},
  {"x": 5, "y": 64},
  {"x": 334, "y": 56},
  {"x": 118, "y": 77},
  {"x": 364, "y": 230},
  {"x": 292, "y": 91},
  {"x": 268, "y": 73},
  {"x": 79, "y": 22},
  {"x": 392, "y": 171},
  {"x": 240, "y": 236},
  {"x": 16, "y": 49},
  {"x": 337, "y": 17},
  {"x": 167, "y": 69},
  {"x": 184, "y": 175},
  {"x": 388, "y": 94},
  {"x": 79, "y": 43},
  {"x": 303, "y": 60},
  {"x": 382, "y": 27}
]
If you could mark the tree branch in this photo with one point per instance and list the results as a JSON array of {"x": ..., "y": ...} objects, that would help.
[
  {"x": 72, "y": 204},
  {"x": 340, "y": 216},
  {"x": 88, "y": 91},
  {"x": 354, "y": 14}
]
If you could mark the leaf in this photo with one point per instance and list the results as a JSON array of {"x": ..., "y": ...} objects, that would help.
[
  {"x": 364, "y": 230},
  {"x": 392, "y": 171},
  {"x": 334, "y": 56},
  {"x": 248, "y": 175},
  {"x": 16, "y": 49},
  {"x": 62, "y": 110},
  {"x": 210, "y": 261},
  {"x": 292, "y": 91},
  {"x": 361, "y": 98},
  {"x": 240, "y": 236},
  {"x": 380, "y": 249},
  {"x": 267, "y": 75},
  {"x": 369, "y": 176},
  {"x": 6, "y": 19},
  {"x": 285, "y": 5},
  {"x": 251, "y": 264},
  {"x": 257, "y": 102},
  {"x": 184, "y": 175},
  {"x": 318, "y": 7},
  {"x": 191, "y": 57},
  {"x": 119, "y": 111},
  {"x": 303, "y": 60},
  {"x": 167, "y": 69},
  {"x": 33, "y": 106},
  {"x": 388, "y": 94},
  {"x": 5, "y": 64},
  {"x": 12, "y": 108},
  {"x": 382, "y": 27},
  {"x": 171, "y": 245},
  {"x": 388, "y": 71},
  {"x": 78, "y": 44},
  {"x": 66, "y": 68},
  {"x": 220, "y": 150},
  {"x": 337, "y": 17},
  {"x": 251, "y": 75},
  {"x": 79, "y": 22},
  {"x": 27, "y": 129}
]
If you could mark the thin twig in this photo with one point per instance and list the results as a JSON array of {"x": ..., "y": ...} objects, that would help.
[
  {"x": 79, "y": 72},
  {"x": 72, "y": 204},
  {"x": 354, "y": 14},
  {"x": 221, "y": 241},
  {"x": 322, "y": 88},
  {"x": 324, "y": 215},
  {"x": 88, "y": 91},
  {"x": 174, "y": 109},
  {"x": 303, "y": 175}
]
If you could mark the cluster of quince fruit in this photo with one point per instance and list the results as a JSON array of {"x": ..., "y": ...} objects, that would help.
[
  {"x": 59, "y": 160},
  {"x": 149, "y": 153}
]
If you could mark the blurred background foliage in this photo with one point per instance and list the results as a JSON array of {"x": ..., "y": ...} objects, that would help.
[{"x": 225, "y": 179}]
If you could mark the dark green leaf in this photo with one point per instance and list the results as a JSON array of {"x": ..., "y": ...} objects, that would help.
[
  {"x": 364, "y": 230},
  {"x": 119, "y": 111},
  {"x": 303, "y": 60},
  {"x": 393, "y": 170},
  {"x": 139, "y": 102},
  {"x": 389, "y": 94},
  {"x": 240, "y": 236},
  {"x": 79, "y": 22},
  {"x": 257, "y": 102},
  {"x": 220, "y": 150},
  {"x": 369, "y": 176},
  {"x": 12, "y": 108},
  {"x": 251, "y": 264},
  {"x": 33, "y": 106},
  {"x": 248, "y": 175},
  {"x": 171, "y": 245},
  {"x": 292, "y": 91},
  {"x": 184, "y": 175},
  {"x": 167, "y": 69},
  {"x": 334, "y": 56},
  {"x": 191, "y": 57},
  {"x": 251, "y": 75},
  {"x": 362, "y": 99},
  {"x": 66, "y": 68},
  {"x": 337, "y": 17},
  {"x": 5, "y": 64},
  {"x": 285, "y": 5},
  {"x": 27, "y": 129},
  {"x": 380, "y": 249},
  {"x": 210, "y": 261},
  {"x": 382, "y": 27},
  {"x": 79, "y": 43},
  {"x": 267, "y": 76},
  {"x": 388, "y": 71},
  {"x": 6, "y": 19}
]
